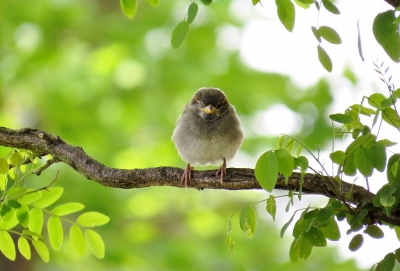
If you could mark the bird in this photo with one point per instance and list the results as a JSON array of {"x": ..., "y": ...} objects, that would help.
[{"x": 208, "y": 132}]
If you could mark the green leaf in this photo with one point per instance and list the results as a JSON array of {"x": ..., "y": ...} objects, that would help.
[
  {"x": 192, "y": 12},
  {"x": 364, "y": 161},
  {"x": 315, "y": 237},
  {"x": 30, "y": 197},
  {"x": 42, "y": 250},
  {"x": 230, "y": 242},
  {"x": 379, "y": 154},
  {"x": 388, "y": 262},
  {"x": 300, "y": 249},
  {"x": 386, "y": 143},
  {"x": 286, "y": 13},
  {"x": 301, "y": 162},
  {"x": 271, "y": 206},
  {"x": 3, "y": 166},
  {"x": 393, "y": 174},
  {"x": 128, "y": 7},
  {"x": 56, "y": 234},
  {"x": 376, "y": 99},
  {"x": 10, "y": 222},
  {"x": 330, "y": 7},
  {"x": 95, "y": 243},
  {"x": 386, "y": 196},
  {"x": 285, "y": 161},
  {"x": 67, "y": 208},
  {"x": 324, "y": 59},
  {"x": 374, "y": 231},
  {"x": 154, "y": 3},
  {"x": 14, "y": 204},
  {"x": 341, "y": 118},
  {"x": 92, "y": 219},
  {"x": 23, "y": 215},
  {"x": 289, "y": 144},
  {"x": 338, "y": 157},
  {"x": 316, "y": 33},
  {"x": 385, "y": 29},
  {"x": 36, "y": 220},
  {"x": 49, "y": 196},
  {"x": 266, "y": 170},
  {"x": 361, "y": 140},
  {"x": 77, "y": 239},
  {"x": 24, "y": 248},
  {"x": 284, "y": 228},
  {"x": 331, "y": 231},
  {"x": 179, "y": 34},
  {"x": 356, "y": 242},
  {"x": 298, "y": 151},
  {"x": 397, "y": 253},
  {"x": 7, "y": 246},
  {"x": 307, "y": 2},
  {"x": 248, "y": 220},
  {"x": 390, "y": 116},
  {"x": 280, "y": 141},
  {"x": 15, "y": 159},
  {"x": 206, "y": 2},
  {"x": 349, "y": 167},
  {"x": 255, "y": 2},
  {"x": 325, "y": 214},
  {"x": 330, "y": 35}
]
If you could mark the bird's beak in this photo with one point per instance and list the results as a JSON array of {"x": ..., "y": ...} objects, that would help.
[{"x": 209, "y": 109}]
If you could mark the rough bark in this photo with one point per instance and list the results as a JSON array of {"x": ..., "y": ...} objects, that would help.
[
  {"x": 393, "y": 3},
  {"x": 236, "y": 178}
]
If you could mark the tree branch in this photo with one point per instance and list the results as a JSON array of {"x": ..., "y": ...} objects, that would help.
[
  {"x": 236, "y": 178},
  {"x": 393, "y": 3}
]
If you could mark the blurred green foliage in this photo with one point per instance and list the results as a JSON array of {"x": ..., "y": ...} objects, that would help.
[{"x": 83, "y": 71}]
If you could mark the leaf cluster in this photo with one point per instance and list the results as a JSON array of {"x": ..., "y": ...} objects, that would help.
[{"x": 24, "y": 211}]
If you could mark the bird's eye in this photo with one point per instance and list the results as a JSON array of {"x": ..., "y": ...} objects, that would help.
[{"x": 221, "y": 103}]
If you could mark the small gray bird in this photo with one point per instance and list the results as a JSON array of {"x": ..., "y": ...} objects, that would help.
[{"x": 208, "y": 132}]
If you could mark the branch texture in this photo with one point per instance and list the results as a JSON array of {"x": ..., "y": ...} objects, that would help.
[{"x": 236, "y": 178}]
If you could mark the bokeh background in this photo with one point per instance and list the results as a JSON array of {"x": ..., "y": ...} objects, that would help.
[{"x": 114, "y": 86}]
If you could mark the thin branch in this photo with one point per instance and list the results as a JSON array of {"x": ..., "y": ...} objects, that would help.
[{"x": 236, "y": 178}]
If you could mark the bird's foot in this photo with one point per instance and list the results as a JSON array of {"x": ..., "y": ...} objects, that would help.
[
  {"x": 222, "y": 171},
  {"x": 187, "y": 175}
]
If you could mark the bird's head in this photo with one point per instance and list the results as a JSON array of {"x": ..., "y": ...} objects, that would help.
[{"x": 209, "y": 103}]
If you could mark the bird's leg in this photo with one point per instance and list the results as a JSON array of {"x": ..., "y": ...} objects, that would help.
[
  {"x": 222, "y": 171},
  {"x": 187, "y": 175}
]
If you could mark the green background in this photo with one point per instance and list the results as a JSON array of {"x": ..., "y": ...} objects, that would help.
[{"x": 85, "y": 72}]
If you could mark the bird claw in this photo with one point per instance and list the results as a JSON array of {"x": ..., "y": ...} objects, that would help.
[
  {"x": 222, "y": 171},
  {"x": 187, "y": 175}
]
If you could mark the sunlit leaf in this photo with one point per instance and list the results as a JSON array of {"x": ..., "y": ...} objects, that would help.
[
  {"x": 3, "y": 166},
  {"x": 286, "y": 13},
  {"x": 77, "y": 239},
  {"x": 337, "y": 157},
  {"x": 230, "y": 243},
  {"x": 92, "y": 219},
  {"x": 341, "y": 118},
  {"x": 24, "y": 248},
  {"x": 285, "y": 161},
  {"x": 379, "y": 154},
  {"x": 154, "y": 3},
  {"x": 324, "y": 59},
  {"x": 284, "y": 228},
  {"x": 266, "y": 170},
  {"x": 248, "y": 220},
  {"x": 42, "y": 250},
  {"x": 192, "y": 12},
  {"x": 95, "y": 243},
  {"x": 36, "y": 220},
  {"x": 30, "y": 197},
  {"x": 329, "y": 34},
  {"x": 386, "y": 195},
  {"x": 7, "y": 246},
  {"x": 332, "y": 231},
  {"x": 179, "y": 34},
  {"x": 22, "y": 214},
  {"x": 386, "y": 143},
  {"x": 56, "y": 233},
  {"x": 129, "y": 7},
  {"x": 67, "y": 208},
  {"x": 393, "y": 174},
  {"x": 385, "y": 29},
  {"x": 330, "y": 7},
  {"x": 391, "y": 117},
  {"x": 49, "y": 196},
  {"x": 271, "y": 206},
  {"x": 364, "y": 161}
]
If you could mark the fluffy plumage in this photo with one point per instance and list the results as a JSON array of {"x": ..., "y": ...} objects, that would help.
[{"x": 208, "y": 132}]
